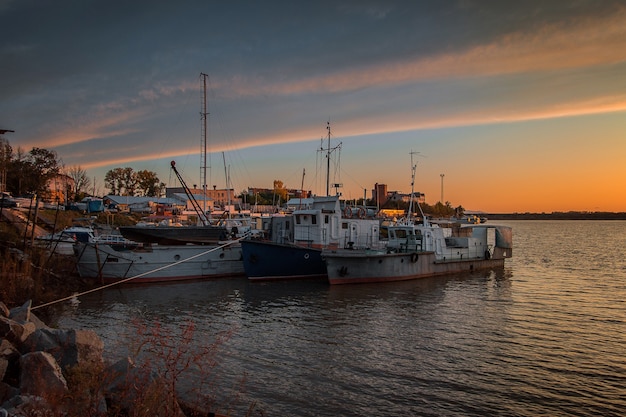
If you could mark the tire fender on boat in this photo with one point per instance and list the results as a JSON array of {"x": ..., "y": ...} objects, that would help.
[
  {"x": 414, "y": 257},
  {"x": 347, "y": 213},
  {"x": 361, "y": 213}
]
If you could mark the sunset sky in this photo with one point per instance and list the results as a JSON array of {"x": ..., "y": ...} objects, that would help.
[{"x": 521, "y": 105}]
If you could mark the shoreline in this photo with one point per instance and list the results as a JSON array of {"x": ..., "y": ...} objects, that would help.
[{"x": 570, "y": 215}]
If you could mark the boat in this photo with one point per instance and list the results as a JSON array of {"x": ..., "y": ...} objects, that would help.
[
  {"x": 169, "y": 234},
  {"x": 62, "y": 242},
  {"x": 424, "y": 250},
  {"x": 417, "y": 250},
  {"x": 293, "y": 242},
  {"x": 146, "y": 263}
]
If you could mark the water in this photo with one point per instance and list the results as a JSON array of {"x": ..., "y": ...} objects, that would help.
[{"x": 544, "y": 336}]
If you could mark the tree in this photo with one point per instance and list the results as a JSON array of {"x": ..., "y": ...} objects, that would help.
[
  {"x": 81, "y": 180},
  {"x": 130, "y": 181},
  {"x": 148, "y": 184},
  {"x": 125, "y": 181},
  {"x": 31, "y": 172},
  {"x": 114, "y": 180},
  {"x": 6, "y": 153},
  {"x": 280, "y": 190}
]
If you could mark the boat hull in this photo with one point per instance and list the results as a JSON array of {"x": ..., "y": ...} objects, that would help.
[
  {"x": 263, "y": 260},
  {"x": 351, "y": 267},
  {"x": 172, "y": 235},
  {"x": 158, "y": 263}
]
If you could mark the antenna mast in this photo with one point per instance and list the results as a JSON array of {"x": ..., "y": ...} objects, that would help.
[
  {"x": 203, "y": 145},
  {"x": 329, "y": 151},
  {"x": 413, "y": 170}
]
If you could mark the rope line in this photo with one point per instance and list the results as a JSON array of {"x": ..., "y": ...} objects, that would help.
[{"x": 137, "y": 276}]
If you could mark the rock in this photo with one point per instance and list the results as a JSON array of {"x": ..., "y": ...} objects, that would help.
[
  {"x": 129, "y": 387},
  {"x": 4, "y": 310},
  {"x": 69, "y": 347},
  {"x": 37, "y": 322},
  {"x": 4, "y": 365},
  {"x": 7, "y": 392},
  {"x": 21, "y": 314},
  {"x": 11, "y": 330},
  {"x": 27, "y": 406},
  {"x": 41, "y": 376},
  {"x": 27, "y": 329},
  {"x": 10, "y": 356}
]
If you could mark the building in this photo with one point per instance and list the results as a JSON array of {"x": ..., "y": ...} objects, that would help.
[
  {"x": 217, "y": 197},
  {"x": 60, "y": 189},
  {"x": 382, "y": 196}
]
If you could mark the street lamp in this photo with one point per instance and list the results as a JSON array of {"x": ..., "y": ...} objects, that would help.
[{"x": 441, "y": 175}]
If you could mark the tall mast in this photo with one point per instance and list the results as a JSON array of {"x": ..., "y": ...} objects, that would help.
[
  {"x": 328, "y": 152},
  {"x": 328, "y": 162},
  {"x": 413, "y": 170},
  {"x": 203, "y": 145}
]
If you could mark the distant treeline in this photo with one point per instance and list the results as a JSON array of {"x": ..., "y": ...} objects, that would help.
[{"x": 570, "y": 215}]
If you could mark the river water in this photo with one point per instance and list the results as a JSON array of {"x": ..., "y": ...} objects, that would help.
[{"x": 546, "y": 335}]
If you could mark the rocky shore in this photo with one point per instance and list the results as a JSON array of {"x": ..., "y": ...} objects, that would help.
[{"x": 56, "y": 372}]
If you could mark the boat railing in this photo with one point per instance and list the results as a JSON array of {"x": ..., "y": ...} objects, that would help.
[{"x": 411, "y": 245}]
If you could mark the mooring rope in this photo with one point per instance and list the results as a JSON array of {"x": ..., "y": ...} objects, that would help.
[{"x": 138, "y": 276}]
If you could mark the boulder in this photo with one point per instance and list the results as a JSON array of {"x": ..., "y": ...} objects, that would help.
[
  {"x": 41, "y": 376},
  {"x": 69, "y": 347},
  {"x": 11, "y": 330},
  {"x": 21, "y": 314},
  {"x": 7, "y": 392},
  {"x": 4, "y": 310},
  {"x": 128, "y": 386},
  {"x": 9, "y": 358}
]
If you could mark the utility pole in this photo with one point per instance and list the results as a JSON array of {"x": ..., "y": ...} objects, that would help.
[{"x": 441, "y": 175}]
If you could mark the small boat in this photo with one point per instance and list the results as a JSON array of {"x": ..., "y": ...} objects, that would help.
[
  {"x": 417, "y": 251},
  {"x": 146, "y": 263},
  {"x": 62, "y": 242}
]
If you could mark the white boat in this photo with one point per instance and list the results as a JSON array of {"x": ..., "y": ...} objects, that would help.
[
  {"x": 62, "y": 242},
  {"x": 421, "y": 250},
  {"x": 158, "y": 263},
  {"x": 417, "y": 251}
]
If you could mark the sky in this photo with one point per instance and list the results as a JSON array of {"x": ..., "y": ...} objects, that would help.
[{"x": 501, "y": 106}]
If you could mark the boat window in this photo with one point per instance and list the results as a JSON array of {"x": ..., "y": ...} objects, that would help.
[
  {"x": 313, "y": 219},
  {"x": 400, "y": 233},
  {"x": 344, "y": 225},
  {"x": 287, "y": 225},
  {"x": 326, "y": 218}
]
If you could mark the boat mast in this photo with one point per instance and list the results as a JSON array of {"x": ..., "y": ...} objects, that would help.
[
  {"x": 328, "y": 161},
  {"x": 413, "y": 170},
  {"x": 227, "y": 180},
  {"x": 328, "y": 152},
  {"x": 203, "y": 146}
]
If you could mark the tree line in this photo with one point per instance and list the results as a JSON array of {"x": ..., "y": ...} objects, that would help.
[{"x": 30, "y": 173}]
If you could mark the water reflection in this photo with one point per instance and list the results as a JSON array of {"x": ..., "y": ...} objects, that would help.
[{"x": 544, "y": 335}]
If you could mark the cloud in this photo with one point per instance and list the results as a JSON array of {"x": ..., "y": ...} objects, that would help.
[{"x": 588, "y": 42}]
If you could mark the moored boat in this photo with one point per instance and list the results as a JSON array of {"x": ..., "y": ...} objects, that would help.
[
  {"x": 294, "y": 246},
  {"x": 62, "y": 242},
  {"x": 418, "y": 251},
  {"x": 158, "y": 263}
]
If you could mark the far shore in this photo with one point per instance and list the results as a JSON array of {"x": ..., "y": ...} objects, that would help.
[{"x": 570, "y": 215}]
